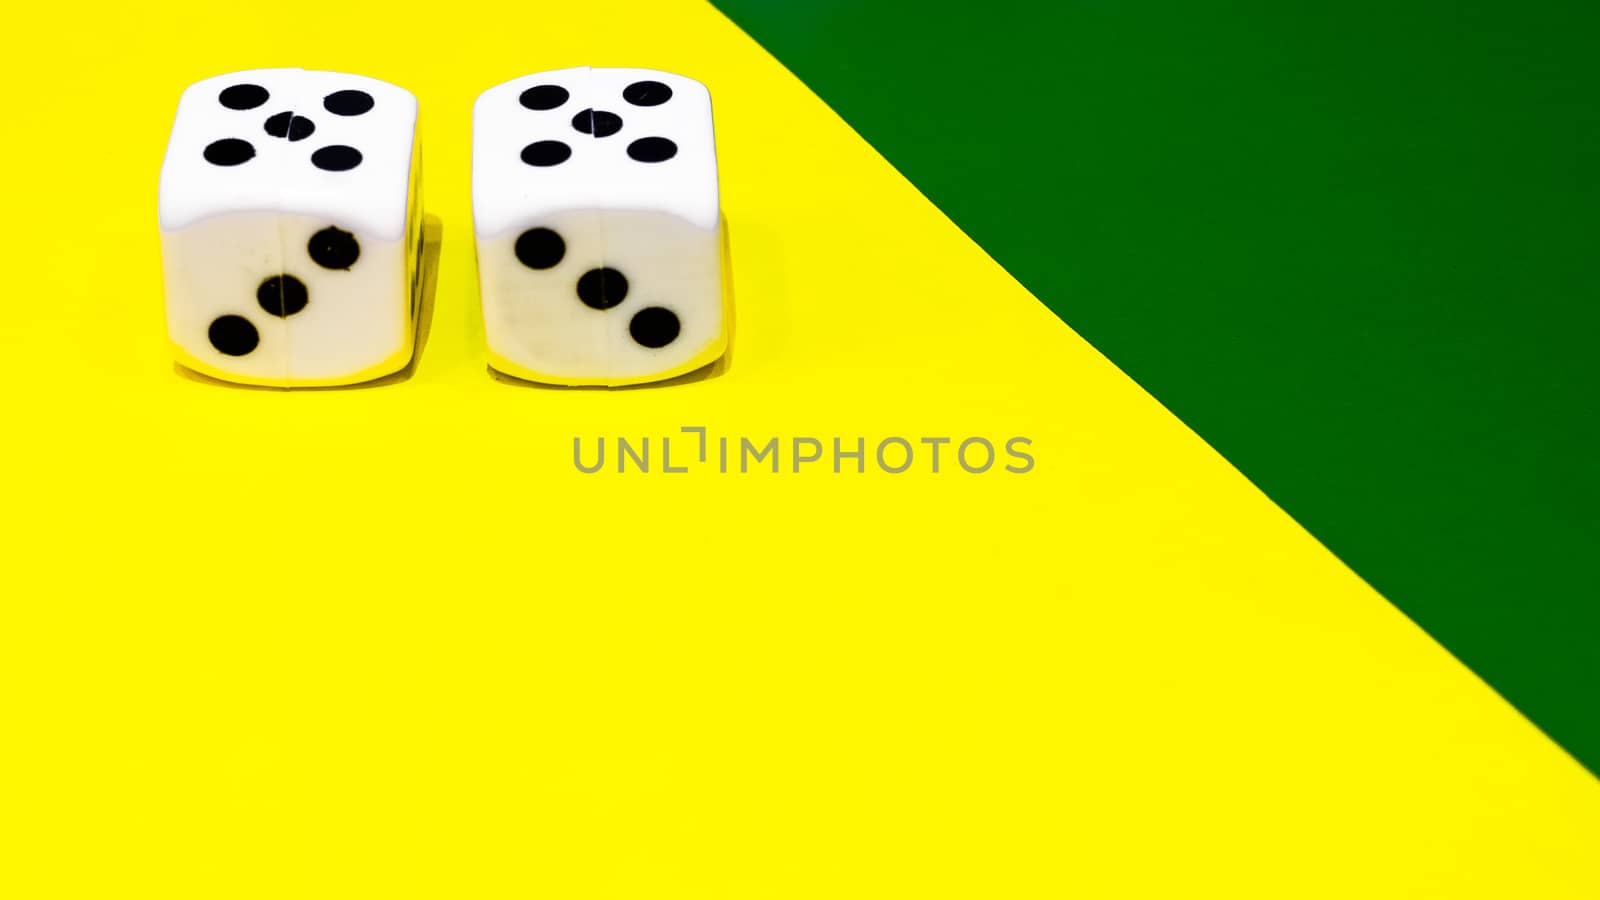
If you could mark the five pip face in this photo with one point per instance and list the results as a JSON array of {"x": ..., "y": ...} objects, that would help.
[{"x": 291, "y": 225}]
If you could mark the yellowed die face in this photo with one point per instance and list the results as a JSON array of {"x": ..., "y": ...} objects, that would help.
[
  {"x": 613, "y": 298},
  {"x": 246, "y": 302}
]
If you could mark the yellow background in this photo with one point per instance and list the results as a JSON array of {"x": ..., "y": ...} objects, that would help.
[{"x": 389, "y": 642}]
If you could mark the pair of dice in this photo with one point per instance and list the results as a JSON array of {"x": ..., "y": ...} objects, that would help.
[{"x": 291, "y": 227}]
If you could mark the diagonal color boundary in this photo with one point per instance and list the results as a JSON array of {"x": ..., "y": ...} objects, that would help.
[{"x": 1352, "y": 248}]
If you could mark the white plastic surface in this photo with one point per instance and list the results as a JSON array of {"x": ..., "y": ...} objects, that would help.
[
  {"x": 280, "y": 177},
  {"x": 599, "y": 175}
]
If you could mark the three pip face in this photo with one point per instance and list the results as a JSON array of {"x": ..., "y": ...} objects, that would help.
[{"x": 291, "y": 222}]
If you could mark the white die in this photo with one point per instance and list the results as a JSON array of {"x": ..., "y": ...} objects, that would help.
[
  {"x": 291, "y": 227},
  {"x": 598, "y": 225}
]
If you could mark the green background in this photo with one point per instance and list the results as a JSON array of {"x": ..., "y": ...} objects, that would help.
[{"x": 1353, "y": 247}]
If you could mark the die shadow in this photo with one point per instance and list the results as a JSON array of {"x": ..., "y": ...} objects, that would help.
[
  {"x": 426, "y": 285},
  {"x": 714, "y": 369}
]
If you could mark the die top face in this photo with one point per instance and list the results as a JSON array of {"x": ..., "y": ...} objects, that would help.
[
  {"x": 325, "y": 144},
  {"x": 593, "y": 138}
]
